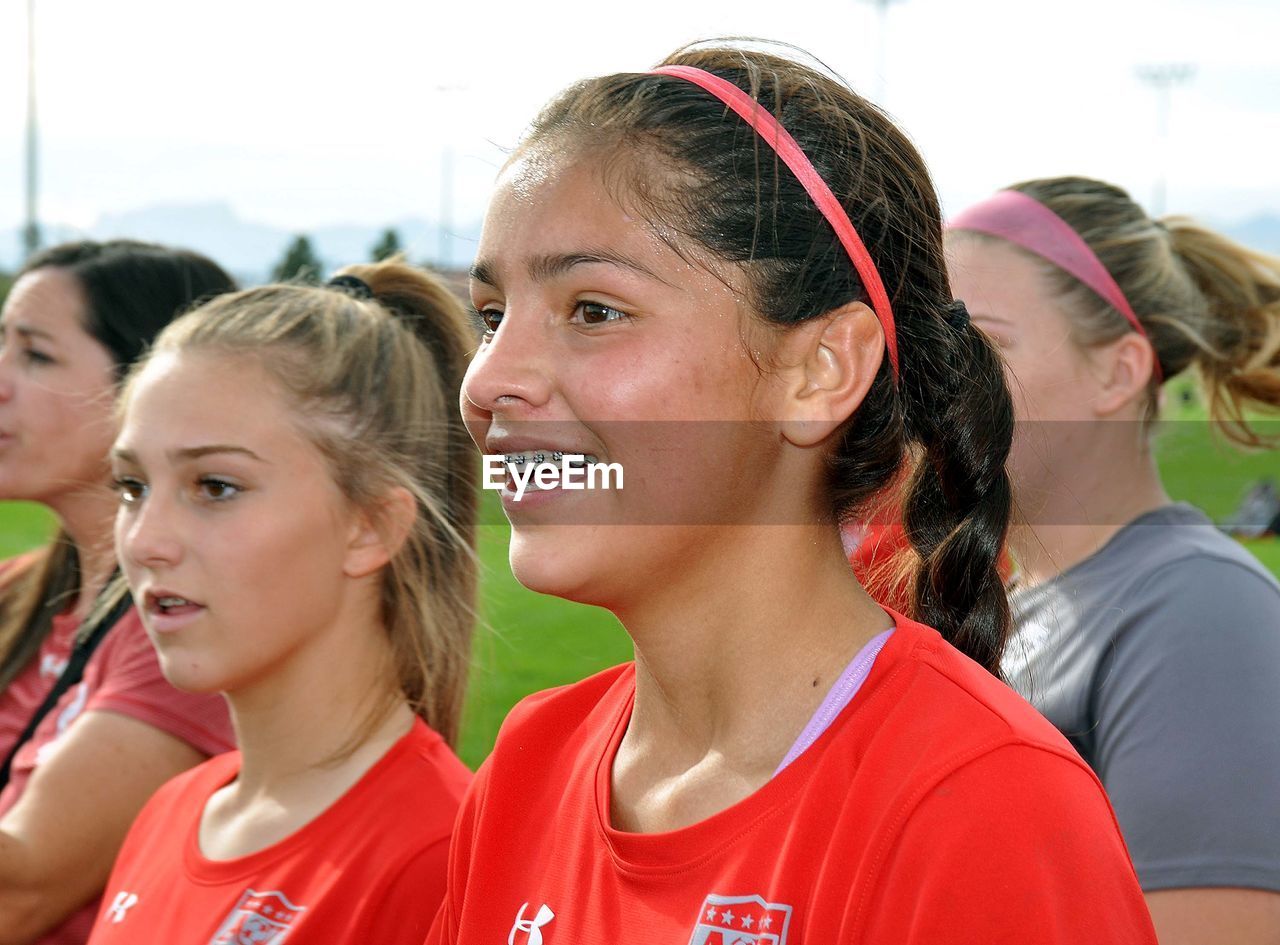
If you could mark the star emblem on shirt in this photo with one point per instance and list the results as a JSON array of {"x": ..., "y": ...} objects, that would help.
[
  {"x": 746, "y": 921},
  {"x": 766, "y": 921}
]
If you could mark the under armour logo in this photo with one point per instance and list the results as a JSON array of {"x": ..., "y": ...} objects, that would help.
[
  {"x": 123, "y": 902},
  {"x": 531, "y": 927}
]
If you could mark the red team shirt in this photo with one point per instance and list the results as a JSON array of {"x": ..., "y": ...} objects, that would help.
[
  {"x": 122, "y": 676},
  {"x": 937, "y": 809},
  {"x": 370, "y": 868}
]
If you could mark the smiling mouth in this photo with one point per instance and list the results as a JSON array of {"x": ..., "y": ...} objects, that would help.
[{"x": 518, "y": 464}]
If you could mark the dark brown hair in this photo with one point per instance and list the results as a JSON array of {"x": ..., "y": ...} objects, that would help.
[
  {"x": 697, "y": 170},
  {"x": 131, "y": 290}
]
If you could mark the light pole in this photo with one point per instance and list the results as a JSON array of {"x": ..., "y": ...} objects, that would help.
[
  {"x": 882, "y": 32},
  {"x": 31, "y": 231},
  {"x": 445, "y": 222},
  {"x": 1163, "y": 77}
]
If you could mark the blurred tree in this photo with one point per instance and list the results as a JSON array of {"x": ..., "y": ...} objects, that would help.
[
  {"x": 300, "y": 263},
  {"x": 387, "y": 246},
  {"x": 6, "y": 283}
]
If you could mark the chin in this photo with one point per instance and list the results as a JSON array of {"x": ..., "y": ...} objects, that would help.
[
  {"x": 557, "y": 562},
  {"x": 188, "y": 672}
]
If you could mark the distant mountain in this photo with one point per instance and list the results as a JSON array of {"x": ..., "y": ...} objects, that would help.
[
  {"x": 249, "y": 250},
  {"x": 1261, "y": 232}
]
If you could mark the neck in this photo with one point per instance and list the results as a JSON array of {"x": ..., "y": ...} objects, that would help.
[
  {"x": 1073, "y": 520},
  {"x": 740, "y": 671},
  {"x": 87, "y": 516},
  {"x": 299, "y": 723}
]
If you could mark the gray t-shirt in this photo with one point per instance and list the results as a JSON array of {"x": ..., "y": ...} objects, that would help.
[{"x": 1159, "y": 658}]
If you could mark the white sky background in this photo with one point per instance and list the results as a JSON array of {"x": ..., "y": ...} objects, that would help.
[{"x": 307, "y": 113}]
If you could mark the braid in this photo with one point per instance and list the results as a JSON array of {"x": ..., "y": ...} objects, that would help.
[{"x": 957, "y": 502}]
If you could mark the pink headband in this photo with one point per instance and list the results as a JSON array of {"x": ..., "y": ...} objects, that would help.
[
  {"x": 786, "y": 147},
  {"x": 1025, "y": 221}
]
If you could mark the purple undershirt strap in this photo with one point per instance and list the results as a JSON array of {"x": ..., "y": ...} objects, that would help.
[{"x": 838, "y": 696}]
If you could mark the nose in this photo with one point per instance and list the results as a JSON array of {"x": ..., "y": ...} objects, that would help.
[
  {"x": 511, "y": 372},
  {"x": 7, "y": 386},
  {"x": 147, "y": 534}
]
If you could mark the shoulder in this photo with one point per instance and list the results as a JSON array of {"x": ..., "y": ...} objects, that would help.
[
  {"x": 178, "y": 801},
  {"x": 961, "y": 707},
  {"x": 555, "y": 719},
  {"x": 425, "y": 770},
  {"x": 1180, "y": 542}
]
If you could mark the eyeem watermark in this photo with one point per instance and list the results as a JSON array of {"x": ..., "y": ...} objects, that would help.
[{"x": 536, "y": 472}]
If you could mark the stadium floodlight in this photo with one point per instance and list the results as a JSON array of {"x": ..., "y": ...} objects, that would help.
[
  {"x": 1162, "y": 77},
  {"x": 882, "y": 32},
  {"x": 31, "y": 231}
]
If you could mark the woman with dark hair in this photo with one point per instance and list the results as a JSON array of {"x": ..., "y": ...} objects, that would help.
[
  {"x": 1143, "y": 633},
  {"x": 725, "y": 277},
  {"x": 88, "y": 725}
]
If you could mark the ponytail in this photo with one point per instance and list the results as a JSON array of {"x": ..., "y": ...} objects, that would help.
[
  {"x": 1235, "y": 341},
  {"x": 1204, "y": 301},
  {"x": 434, "y": 583}
]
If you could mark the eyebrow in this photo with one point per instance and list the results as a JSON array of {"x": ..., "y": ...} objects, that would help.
[
  {"x": 548, "y": 266},
  {"x": 193, "y": 452},
  {"x": 26, "y": 331}
]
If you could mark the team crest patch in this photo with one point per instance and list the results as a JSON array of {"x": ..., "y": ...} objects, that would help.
[
  {"x": 259, "y": 918},
  {"x": 741, "y": 920}
]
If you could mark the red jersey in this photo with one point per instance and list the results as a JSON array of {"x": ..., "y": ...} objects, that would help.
[
  {"x": 122, "y": 676},
  {"x": 937, "y": 809},
  {"x": 370, "y": 868}
]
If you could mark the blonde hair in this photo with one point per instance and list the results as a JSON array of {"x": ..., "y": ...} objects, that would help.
[
  {"x": 1205, "y": 301},
  {"x": 377, "y": 380}
]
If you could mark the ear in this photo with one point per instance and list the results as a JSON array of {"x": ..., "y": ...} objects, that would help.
[
  {"x": 1123, "y": 369},
  {"x": 375, "y": 536},
  {"x": 827, "y": 365}
]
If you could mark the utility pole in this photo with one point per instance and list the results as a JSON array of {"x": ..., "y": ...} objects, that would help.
[
  {"x": 882, "y": 34},
  {"x": 31, "y": 231},
  {"x": 1162, "y": 77}
]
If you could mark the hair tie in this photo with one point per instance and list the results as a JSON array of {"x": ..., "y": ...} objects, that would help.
[
  {"x": 789, "y": 150},
  {"x": 352, "y": 284},
  {"x": 957, "y": 314}
]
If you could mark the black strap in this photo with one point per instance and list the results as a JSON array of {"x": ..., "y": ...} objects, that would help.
[{"x": 86, "y": 642}]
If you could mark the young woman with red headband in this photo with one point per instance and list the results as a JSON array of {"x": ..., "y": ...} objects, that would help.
[
  {"x": 753, "y": 320},
  {"x": 1148, "y": 637}
]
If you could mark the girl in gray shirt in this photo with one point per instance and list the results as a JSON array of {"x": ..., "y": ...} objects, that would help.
[{"x": 1148, "y": 637}]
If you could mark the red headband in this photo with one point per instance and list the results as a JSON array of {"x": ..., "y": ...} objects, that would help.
[
  {"x": 794, "y": 157},
  {"x": 1025, "y": 221}
]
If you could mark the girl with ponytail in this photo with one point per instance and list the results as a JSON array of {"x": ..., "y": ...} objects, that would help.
[
  {"x": 296, "y": 521},
  {"x": 725, "y": 277},
  {"x": 1144, "y": 634}
]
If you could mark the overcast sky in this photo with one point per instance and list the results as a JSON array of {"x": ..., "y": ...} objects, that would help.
[{"x": 307, "y": 113}]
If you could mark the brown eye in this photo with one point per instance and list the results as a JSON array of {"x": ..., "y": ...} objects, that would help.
[
  {"x": 131, "y": 491},
  {"x": 491, "y": 318},
  {"x": 218, "y": 490},
  {"x": 593, "y": 313}
]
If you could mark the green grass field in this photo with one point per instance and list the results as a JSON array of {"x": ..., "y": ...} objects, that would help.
[{"x": 528, "y": 642}]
